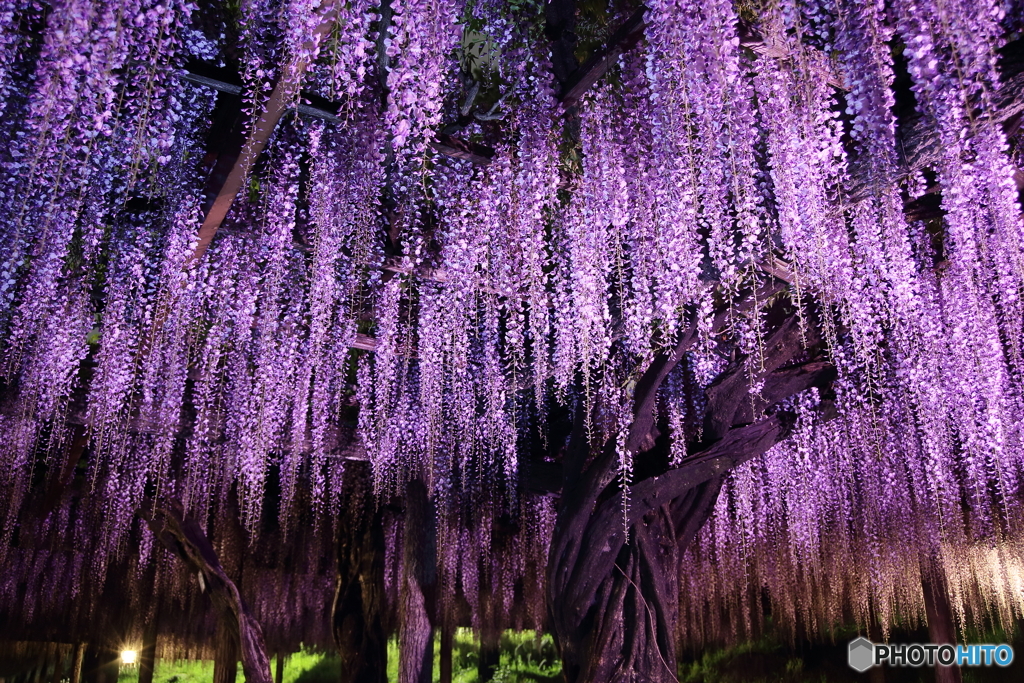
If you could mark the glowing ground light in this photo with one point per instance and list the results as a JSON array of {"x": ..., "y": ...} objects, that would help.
[{"x": 129, "y": 656}]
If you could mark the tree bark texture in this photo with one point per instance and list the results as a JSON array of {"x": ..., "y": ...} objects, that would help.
[
  {"x": 58, "y": 664},
  {"x": 614, "y": 600},
  {"x": 358, "y": 615},
  {"x": 416, "y": 595},
  {"x": 182, "y": 535}
]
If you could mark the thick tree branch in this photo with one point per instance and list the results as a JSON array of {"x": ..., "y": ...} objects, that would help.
[
  {"x": 605, "y": 528},
  {"x": 608, "y": 598}
]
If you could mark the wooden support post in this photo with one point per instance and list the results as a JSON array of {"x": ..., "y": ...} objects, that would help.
[
  {"x": 90, "y": 664},
  {"x": 279, "y": 669},
  {"x": 445, "y": 655},
  {"x": 941, "y": 627},
  {"x": 40, "y": 668},
  {"x": 58, "y": 663},
  {"x": 147, "y": 658},
  {"x": 490, "y": 654},
  {"x": 76, "y": 663},
  {"x": 225, "y": 662}
]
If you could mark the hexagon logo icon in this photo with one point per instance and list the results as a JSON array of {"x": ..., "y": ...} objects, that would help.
[{"x": 861, "y": 654}]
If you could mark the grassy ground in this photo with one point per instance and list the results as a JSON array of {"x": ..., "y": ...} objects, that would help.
[
  {"x": 525, "y": 658},
  {"x": 772, "y": 660},
  {"x": 297, "y": 669}
]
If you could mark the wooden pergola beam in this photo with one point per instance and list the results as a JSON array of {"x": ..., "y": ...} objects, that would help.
[
  {"x": 285, "y": 92},
  {"x": 232, "y": 89},
  {"x": 451, "y": 146},
  {"x": 280, "y": 101},
  {"x": 591, "y": 71}
]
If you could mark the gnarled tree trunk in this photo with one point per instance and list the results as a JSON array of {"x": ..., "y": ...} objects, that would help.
[{"x": 614, "y": 600}]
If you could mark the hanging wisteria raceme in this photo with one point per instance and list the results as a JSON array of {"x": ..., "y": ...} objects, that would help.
[
  {"x": 474, "y": 352},
  {"x": 594, "y": 220},
  {"x": 876, "y": 507},
  {"x": 275, "y": 355},
  {"x": 704, "y": 124},
  {"x": 419, "y": 60},
  {"x": 331, "y": 39},
  {"x": 453, "y": 378},
  {"x": 499, "y": 575},
  {"x": 380, "y": 387},
  {"x": 951, "y": 55},
  {"x": 259, "y": 417},
  {"x": 885, "y": 293},
  {"x": 652, "y": 290},
  {"x": 420, "y": 44},
  {"x": 63, "y": 150},
  {"x": 17, "y": 20},
  {"x": 349, "y": 179},
  {"x": 952, "y": 59},
  {"x": 900, "y": 309},
  {"x": 807, "y": 163},
  {"x": 259, "y": 40},
  {"x": 86, "y": 162},
  {"x": 344, "y": 55}
]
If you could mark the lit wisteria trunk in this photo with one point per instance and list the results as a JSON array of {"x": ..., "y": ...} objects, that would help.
[
  {"x": 614, "y": 597},
  {"x": 416, "y": 592},
  {"x": 240, "y": 636}
]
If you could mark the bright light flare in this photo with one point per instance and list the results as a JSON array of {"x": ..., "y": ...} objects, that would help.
[{"x": 129, "y": 656}]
